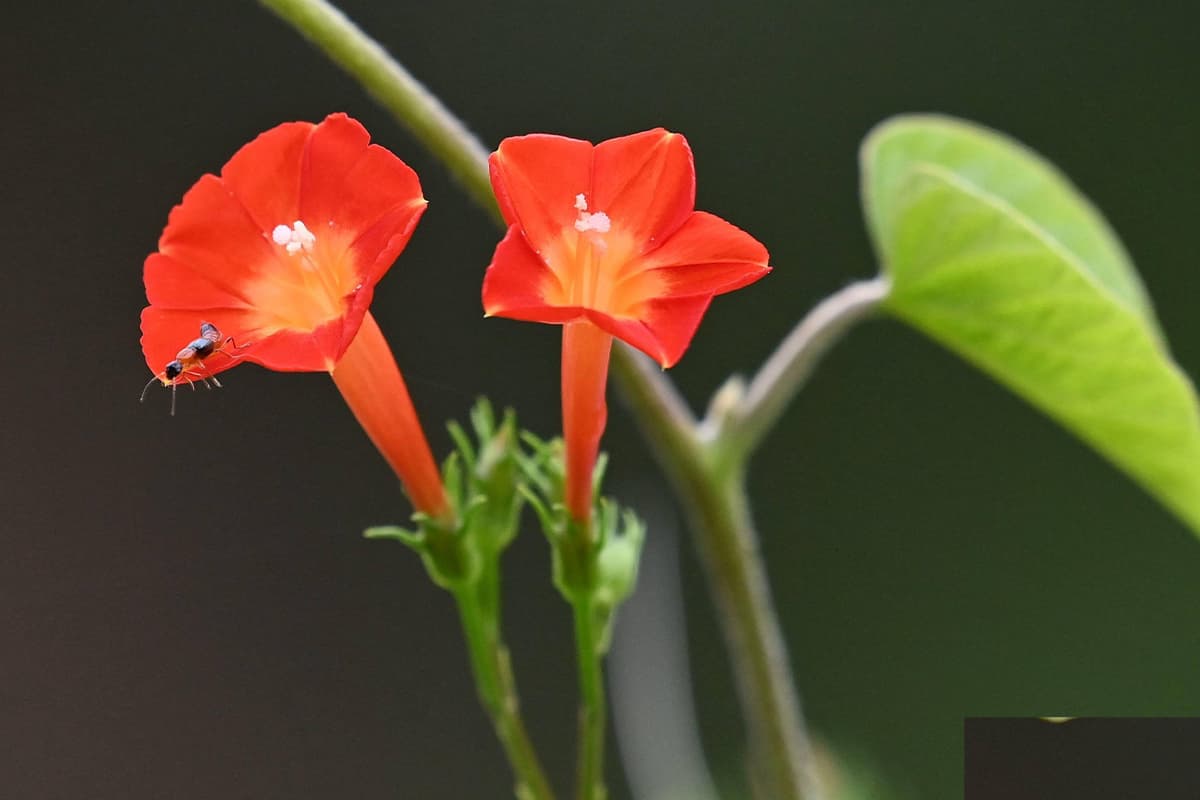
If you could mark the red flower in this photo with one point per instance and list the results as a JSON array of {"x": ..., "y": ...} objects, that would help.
[
  {"x": 605, "y": 240},
  {"x": 281, "y": 253}
]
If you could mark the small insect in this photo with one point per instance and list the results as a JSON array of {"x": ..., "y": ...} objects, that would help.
[{"x": 188, "y": 366}]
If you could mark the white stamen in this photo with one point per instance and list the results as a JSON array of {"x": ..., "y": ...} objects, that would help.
[
  {"x": 293, "y": 239},
  {"x": 598, "y": 222}
]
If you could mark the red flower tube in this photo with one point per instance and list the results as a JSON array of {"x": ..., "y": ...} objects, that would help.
[
  {"x": 605, "y": 240},
  {"x": 281, "y": 253}
]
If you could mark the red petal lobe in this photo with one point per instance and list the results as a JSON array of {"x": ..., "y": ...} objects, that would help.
[
  {"x": 265, "y": 174},
  {"x": 166, "y": 331},
  {"x": 210, "y": 234},
  {"x": 349, "y": 182},
  {"x": 664, "y": 330},
  {"x": 708, "y": 256},
  {"x": 377, "y": 247},
  {"x": 300, "y": 351},
  {"x": 519, "y": 285},
  {"x": 646, "y": 183},
  {"x": 536, "y": 179},
  {"x": 171, "y": 284}
]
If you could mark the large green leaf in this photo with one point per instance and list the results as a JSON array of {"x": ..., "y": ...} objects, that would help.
[{"x": 993, "y": 253}]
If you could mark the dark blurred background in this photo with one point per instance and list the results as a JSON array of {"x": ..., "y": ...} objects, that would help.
[{"x": 187, "y": 609}]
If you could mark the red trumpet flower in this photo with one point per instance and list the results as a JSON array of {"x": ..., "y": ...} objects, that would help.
[
  {"x": 605, "y": 239},
  {"x": 281, "y": 253}
]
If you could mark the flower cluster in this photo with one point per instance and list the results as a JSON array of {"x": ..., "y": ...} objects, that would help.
[{"x": 280, "y": 254}]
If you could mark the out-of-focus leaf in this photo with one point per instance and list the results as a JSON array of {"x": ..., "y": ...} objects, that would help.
[{"x": 993, "y": 253}]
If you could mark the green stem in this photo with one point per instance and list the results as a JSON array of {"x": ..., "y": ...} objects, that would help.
[
  {"x": 443, "y": 134},
  {"x": 779, "y": 743},
  {"x": 490, "y": 664},
  {"x": 719, "y": 517},
  {"x": 591, "y": 703},
  {"x": 707, "y": 465},
  {"x": 782, "y": 376}
]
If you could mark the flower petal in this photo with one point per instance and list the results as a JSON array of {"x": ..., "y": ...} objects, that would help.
[
  {"x": 264, "y": 175},
  {"x": 210, "y": 234},
  {"x": 519, "y": 285},
  {"x": 302, "y": 351},
  {"x": 350, "y": 182},
  {"x": 536, "y": 179},
  {"x": 707, "y": 256},
  {"x": 646, "y": 183},
  {"x": 166, "y": 331},
  {"x": 173, "y": 284},
  {"x": 377, "y": 247},
  {"x": 663, "y": 331}
]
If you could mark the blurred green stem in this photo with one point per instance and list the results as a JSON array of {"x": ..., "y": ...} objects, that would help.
[
  {"x": 706, "y": 463},
  {"x": 591, "y": 703},
  {"x": 478, "y": 608},
  {"x": 719, "y": 517}
]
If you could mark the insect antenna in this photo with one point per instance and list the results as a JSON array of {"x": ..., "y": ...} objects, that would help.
[{"x": 146, "y": 389}]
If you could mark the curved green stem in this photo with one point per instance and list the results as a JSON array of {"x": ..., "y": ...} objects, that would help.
[
  {"x": 590, "y": 780},
  {"x": 783, "y": 374},
  {"x": 490, "y": 664}
]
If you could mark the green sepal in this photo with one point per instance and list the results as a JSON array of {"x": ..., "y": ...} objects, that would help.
[
  {"x": 494, "y": 475},
  {"x": 616, "y": 564},
  {"x": 593, "y": 565},
  {"x": 391, "y": 532},
  {"x": 483, "y": 483}
]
